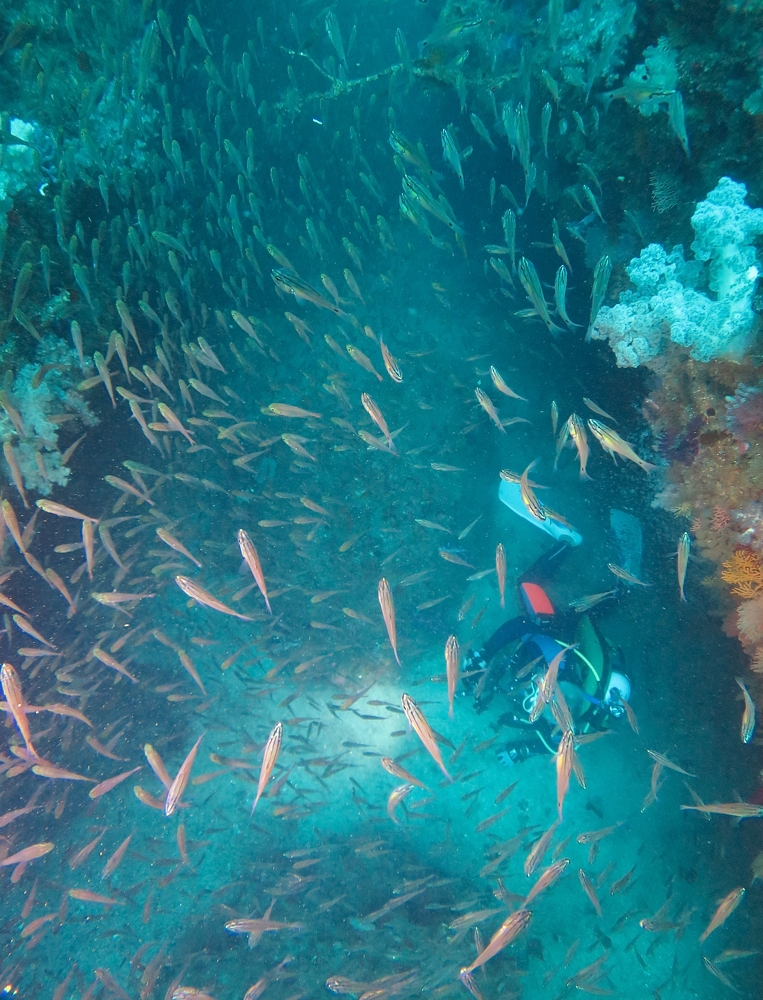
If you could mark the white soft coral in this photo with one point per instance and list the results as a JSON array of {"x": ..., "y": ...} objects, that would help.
[
  {"x": 667, "y": 303},
  {"x": 55, "y": 395}
]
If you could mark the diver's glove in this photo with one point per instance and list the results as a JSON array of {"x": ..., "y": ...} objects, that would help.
[{"x": 474, "y": 661}]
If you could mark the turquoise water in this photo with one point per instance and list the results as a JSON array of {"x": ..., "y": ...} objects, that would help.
[{"x": 171, "y": 165}]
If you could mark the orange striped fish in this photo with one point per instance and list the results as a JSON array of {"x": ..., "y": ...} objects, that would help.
[
  {"x": 111, "y": 865},
  {"x": 111, "y": 599},
  {"x": 50, "y": 771},
  {"x": 189, "y": 665},
  {"x": 393, "y": 768},
  {"x": 50, "y": 507},
  {"x": 86, "y": 851},
  {"x": 8, "y": 603},
  {"x": 590, "y": 891},
  {"x": 538, "y": 849},
  {"x": 269, "y": 758},
  {"x": 725, "y": 908},
  {"x": 452, "y": 662},
  {"x": 489, "y": 407},
  {"x": 388, "y": 611},
  {"x": 86, "y": 896},
  {"x": 173, "y": 543},
  {"x": 500, "y": 568},
  {"x": 13, "y": 465},
  {"x": 35, "y": 925},
  {"x": 547, "y": 878},
  {"x": 501, "y": 386},
  {"x": 547, "y": 685},
  {"x": 201, "y": 596},
  {"x": 27, "y": 854},
  {"x": 563, "y": 769},
  {"x": 67, "y": 710},
  {"x": 12, "y": 691},
  {"x": 55, "y": 581},
  {"x": 252, "y": 560},
  {"x": 11, "y": 522},
  {"x": 24, "y": 625},
  {"x": 509, "y": 929},
  {"x": 415, "y": 717},
  {"x": 149, "y": 800},
  {"x": 182, "y": 845},
  {"x": 157, "y": 766},
  {"x": 390, "y": 363},
  {"x": 109, "y": 783},
  {"x": 108, "y": 660},
  {"x": 177, "y": 787},
  {"x": 377, "y": 416},
  {"x": 396, "y": 796},
  {"x": 88, "y": 540}
]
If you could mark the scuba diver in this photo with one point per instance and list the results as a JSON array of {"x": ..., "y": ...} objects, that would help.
[{"x": 590, "y": 673}]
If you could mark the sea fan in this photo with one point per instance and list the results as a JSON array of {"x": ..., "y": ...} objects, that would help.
[
  {"x": 750, "y": 619},
  {"x": 665, "y": 191},
  {"x": 744, "y": 572},
  {"x": 720, "y": 519}
]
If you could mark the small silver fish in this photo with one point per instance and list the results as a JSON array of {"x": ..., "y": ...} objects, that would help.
[
  {"x": 531, "y": 284},
  {"x": 335, "y": 36},
  {"x": 545, "y": 122},
  {"x": 678, "y": 119},
  {"x": 522, "y": 131},
  {"x": 560, "y": 296},
  {"x": 601, "y": 276},
  {"x": 481, "y": 129},
  {"x": 559, "y": 246},
  {"x": 509, "y": 223},
  {"x": 748, "y": 718},
  {"x": 684, "y": 547},
  {"x": 451, "y": 155}
]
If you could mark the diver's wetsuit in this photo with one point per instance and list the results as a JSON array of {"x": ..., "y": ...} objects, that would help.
[
  {"x": 523, "y": 625},
  {"x": 541, "y": 635}
]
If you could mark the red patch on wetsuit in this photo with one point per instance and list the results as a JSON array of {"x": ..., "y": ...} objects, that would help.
[{"x": 536, "y": 599}]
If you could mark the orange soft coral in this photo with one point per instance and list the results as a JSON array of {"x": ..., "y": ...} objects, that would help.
[{"x": 745, "y": 572}]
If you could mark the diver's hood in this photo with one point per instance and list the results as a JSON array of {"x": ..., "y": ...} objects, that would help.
[{"x": 510, "y": 494}]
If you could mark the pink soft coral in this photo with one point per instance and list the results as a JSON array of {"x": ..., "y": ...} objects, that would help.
[
  {"x": 750, "y": 620},
  {"x": 744, "y": 414}
]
